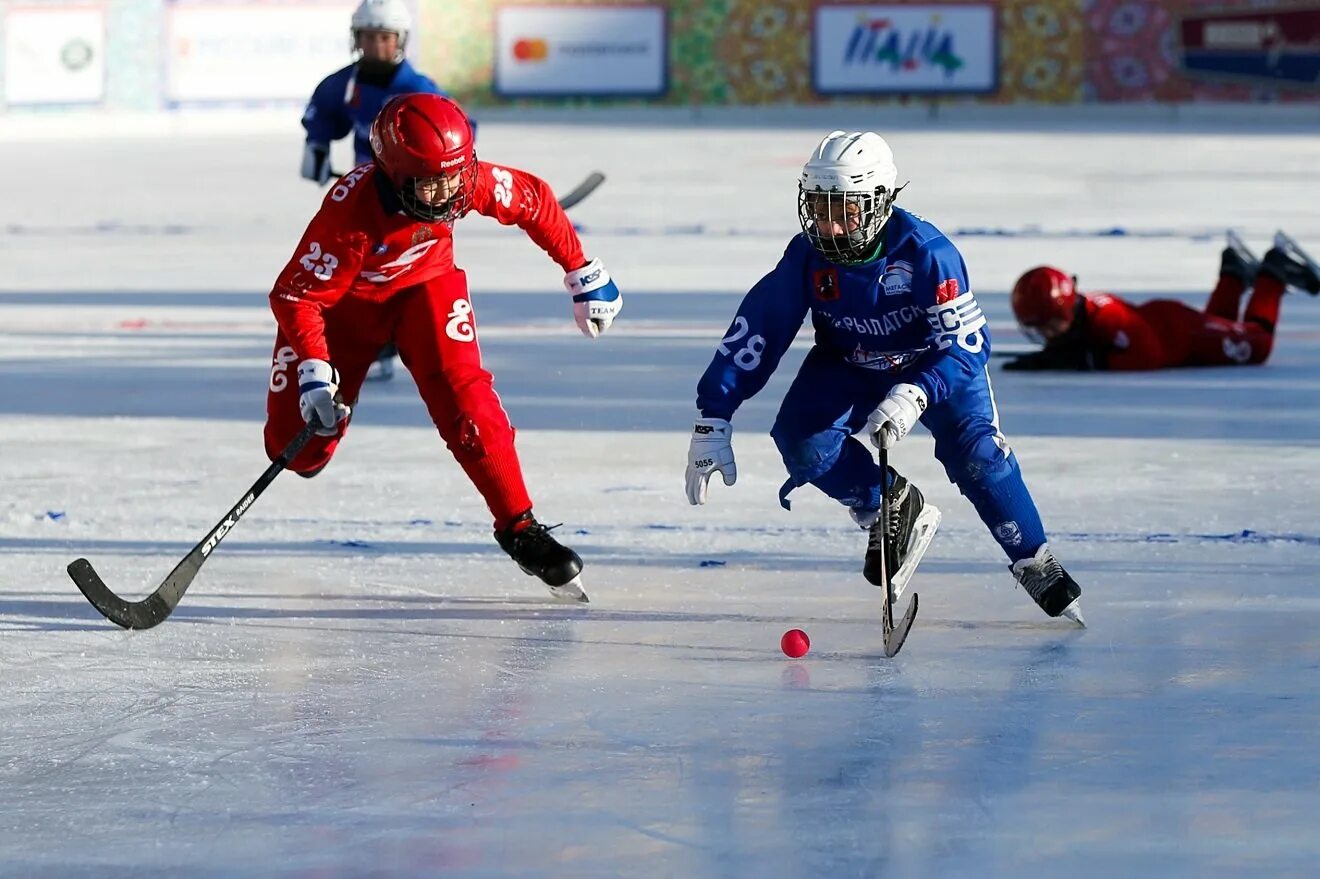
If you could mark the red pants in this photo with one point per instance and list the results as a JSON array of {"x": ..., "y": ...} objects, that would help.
[
  {"x": 435, "y": 329},
  {"x": 1216, "y": 337}
]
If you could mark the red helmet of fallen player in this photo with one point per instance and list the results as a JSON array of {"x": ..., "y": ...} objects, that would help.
[
  {"x": 1044, "y": 302},
  {"x": 424, "y": 145}
]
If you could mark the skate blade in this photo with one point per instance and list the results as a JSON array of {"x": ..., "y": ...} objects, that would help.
[
  {"x": 1236, "y": 243},
  {"x": 1074, "y": 612},
  {"x": 1289, "y": 245},
  {"x": 923, "y": 532},
  {"x": 570, "y": 592}
]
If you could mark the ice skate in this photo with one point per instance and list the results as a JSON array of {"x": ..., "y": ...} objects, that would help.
[
  {"x": 911, "y": 527},
  {"x": 530, "y": 544},
  {"x": 1050, "y": 585},
  {"x": 1237, "y": 260},
  {"x": 1290, "y": 264},
  {"x": 382, "y": 370}
]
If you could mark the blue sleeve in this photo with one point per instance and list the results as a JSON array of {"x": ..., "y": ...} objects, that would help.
[
  {"x": 325, "y": 118},
  {"x": 767, "y": 321},
  {"x": 960, "y": 339}
]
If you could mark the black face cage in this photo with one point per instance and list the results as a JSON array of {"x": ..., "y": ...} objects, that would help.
[
  {"x": 854, "y": 246},
  {"x": 447, "y": 211}
]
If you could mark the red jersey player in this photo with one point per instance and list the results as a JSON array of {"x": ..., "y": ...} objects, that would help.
[
  {"x": 377, "y": 264},
  {"x": 1102, "y": 331}
]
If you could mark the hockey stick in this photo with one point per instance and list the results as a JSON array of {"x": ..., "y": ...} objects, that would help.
[
  {"x": 584, "y": 189},
  {"x": 576, "y": 195},
  {"x": 152, "y": 610},
  {"x": 894, "y": 635}
]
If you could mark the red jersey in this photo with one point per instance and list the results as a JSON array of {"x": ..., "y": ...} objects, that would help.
[
  {"x": 355, "y": 247},
  {"x": 1153, "y": 335}
]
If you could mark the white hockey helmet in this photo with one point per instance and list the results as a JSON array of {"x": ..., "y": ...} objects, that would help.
[
  {"x": 846, "y": 195},
  {"x": 383, "y": 15}
]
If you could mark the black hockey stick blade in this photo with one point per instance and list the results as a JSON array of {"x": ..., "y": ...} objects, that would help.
[
  {"x": 153, "y": 610},
  {"x": 896, "y": 635},
  {"x": 143, "y": 614},
  {"x": 584, "y": 189}
]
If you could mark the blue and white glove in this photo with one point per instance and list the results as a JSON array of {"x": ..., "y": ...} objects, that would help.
[
  {"x": 897, "y": 413},
  {"x": 711, "y": 449},
  {"x": 316, "y": 162},
  {"x": 318, "y": 396},
  {"x": 596, "y": 301}
]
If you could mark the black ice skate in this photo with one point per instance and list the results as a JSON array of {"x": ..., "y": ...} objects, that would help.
[
  {"x": 1237, "y": 260},
  {"x": 1290, "y": 264},
  {"x": 909, "y": 531},
  {"x": 530, "y": 544},
  {"x": 382, "y": 369},
  {"x": 1049, "y": 585}
]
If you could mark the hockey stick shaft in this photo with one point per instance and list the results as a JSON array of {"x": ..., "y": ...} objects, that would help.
[
  {"x": 888, "y": 621},
  {"x": 153, "y": 609},
  {"x": 574, "y": 196},
  {"x": 894, "y": 635}
]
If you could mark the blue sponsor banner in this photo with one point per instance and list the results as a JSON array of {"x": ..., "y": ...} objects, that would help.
[{"x": 888, "y": 49}]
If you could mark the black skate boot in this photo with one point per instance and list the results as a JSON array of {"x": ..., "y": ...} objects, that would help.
[
  {"x": 1238, "y": 261},
  {"x": 382, "y": 370},
  {"x": 529, "y": 543},
  {"x": 908, "y": 533},
  {"x": 1290, "y": 264},
  {"x": 1050, "y": 585}
]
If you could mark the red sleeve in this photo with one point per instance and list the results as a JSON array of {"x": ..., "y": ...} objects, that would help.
[
  {"x": 321, "y": 271},
  {"x": 516, "y": 198},
  {"x": 1121, "y": 334}
]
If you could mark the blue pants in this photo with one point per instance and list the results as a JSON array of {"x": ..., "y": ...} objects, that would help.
[{"x": 830, "y": 400}]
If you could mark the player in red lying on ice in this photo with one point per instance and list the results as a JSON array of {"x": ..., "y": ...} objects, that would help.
[
  {"x": 1102, "y": 331},
  {"x": 376, "y": 264}
]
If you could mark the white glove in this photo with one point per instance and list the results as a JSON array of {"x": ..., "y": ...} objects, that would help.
[
  {"x": 711, "y": 449},
  {"x": 316, "y": 162},
  {"x": 596, "y": 300},
  {"x": 895, "y": 415},
  {"x": 318, "y": 396}
]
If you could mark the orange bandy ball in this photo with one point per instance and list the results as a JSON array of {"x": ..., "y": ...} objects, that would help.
[{"x": 795, "y": 643}]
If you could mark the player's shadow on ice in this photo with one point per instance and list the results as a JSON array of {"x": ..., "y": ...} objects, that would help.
[{"x": 641, "y": 376}]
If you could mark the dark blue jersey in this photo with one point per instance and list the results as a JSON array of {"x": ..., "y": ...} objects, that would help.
[
  {"x": 341, "y": 104},
  {"x": 909, "y": 315}
]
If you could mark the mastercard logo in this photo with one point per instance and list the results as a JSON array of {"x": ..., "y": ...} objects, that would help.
[{"x": 534, "y": 49}]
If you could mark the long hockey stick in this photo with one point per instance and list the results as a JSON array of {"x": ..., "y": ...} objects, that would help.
[
  {"x": 152, "y": 610},
  {"x": 894, "y": 635},
  {"x": 574, "y": 196},
  {"x": 582, "y": 190}
]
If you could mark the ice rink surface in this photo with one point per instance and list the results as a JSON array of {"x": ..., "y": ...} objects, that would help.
[{"x": 361, "y": 684}]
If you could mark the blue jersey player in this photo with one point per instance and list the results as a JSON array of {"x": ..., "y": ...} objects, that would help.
[
  {"x": 348, "y": 100},
  {"x": 899, "y": 338}
]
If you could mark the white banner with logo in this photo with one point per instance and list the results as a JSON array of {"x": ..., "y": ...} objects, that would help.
[
  {"x": 253, "y": 51},
  {"x": 889, "y": 49},
  {"x": 54, "y": 55},
  {"x": 570, "y": 50}
]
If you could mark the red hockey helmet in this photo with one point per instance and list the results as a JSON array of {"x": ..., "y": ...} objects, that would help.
[
  {"x": 1044, "y": 302},
  {"x": 424, "y": 145}
]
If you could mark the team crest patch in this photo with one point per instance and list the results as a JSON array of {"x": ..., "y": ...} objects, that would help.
[
  {"x": 422, "y": 234},
  {"x": 946, "y": 291},
  {"x": 826, "y": 284},
  {"x": 897, "y": 278}
]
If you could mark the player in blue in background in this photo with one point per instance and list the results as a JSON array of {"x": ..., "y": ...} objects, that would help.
[
  {"x": 899, "y": 338},
  {"x": 348, "y": 100}
]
